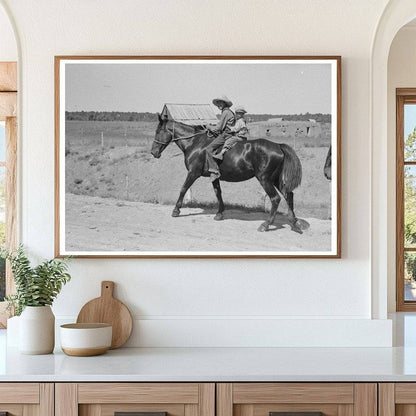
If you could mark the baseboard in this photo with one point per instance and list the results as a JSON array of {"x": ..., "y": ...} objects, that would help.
[{"x": 248, "y": 332}]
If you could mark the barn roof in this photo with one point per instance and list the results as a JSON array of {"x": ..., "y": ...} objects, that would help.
[{"x": 192, "y": 114}]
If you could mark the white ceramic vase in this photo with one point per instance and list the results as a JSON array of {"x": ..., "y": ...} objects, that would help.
[{"x": 37, "y": 330}]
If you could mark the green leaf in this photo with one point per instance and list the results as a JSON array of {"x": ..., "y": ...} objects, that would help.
[{"x": 35, "y": 286}]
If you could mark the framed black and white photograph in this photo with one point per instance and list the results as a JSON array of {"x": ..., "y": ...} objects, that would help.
[{"x": 198, "y": 156}]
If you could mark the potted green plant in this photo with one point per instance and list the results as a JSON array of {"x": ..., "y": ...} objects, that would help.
[{"x": 36, "y": 289}]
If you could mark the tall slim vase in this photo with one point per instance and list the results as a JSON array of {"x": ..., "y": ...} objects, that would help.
[{"x": 37, "y": 330}]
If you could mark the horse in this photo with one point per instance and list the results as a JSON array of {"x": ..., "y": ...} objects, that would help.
[
  {"x": 274, "y": 166},
  {"x": 328, "y": 164}
]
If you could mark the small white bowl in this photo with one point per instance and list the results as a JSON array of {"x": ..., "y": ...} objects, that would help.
[{"x": 84, "y": 340}]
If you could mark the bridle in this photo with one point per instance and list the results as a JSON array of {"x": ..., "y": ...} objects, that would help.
[{"x": 172, "y": 132}]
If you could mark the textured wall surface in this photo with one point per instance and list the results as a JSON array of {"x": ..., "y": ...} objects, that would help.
[{"x": 187, "y": 298}]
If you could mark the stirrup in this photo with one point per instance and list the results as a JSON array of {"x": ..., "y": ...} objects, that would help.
[{"x": 214, "y": 176}]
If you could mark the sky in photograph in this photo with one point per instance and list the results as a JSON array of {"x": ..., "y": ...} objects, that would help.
[{"x": 261, "y": 88}]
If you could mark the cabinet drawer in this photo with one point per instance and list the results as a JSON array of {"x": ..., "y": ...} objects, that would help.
[
  {"x": 108, "y": 399},
  {"x": 297, "y": 399},
  {"x": 138, "y": 393}
]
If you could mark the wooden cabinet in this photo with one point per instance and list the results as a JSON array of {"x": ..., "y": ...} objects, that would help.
[
  {"x": 397, "y": 399},
  {"x": 27, "y": 399},
  {"x": 297, "y": 399},
  {"x": 208, "y": 399},
  {"x": 106, "y": 399}
]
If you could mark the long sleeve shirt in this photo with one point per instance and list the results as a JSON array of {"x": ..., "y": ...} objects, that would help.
[
  {"x": 226, "y": 121},
  {"x": 240, "y": 128}
]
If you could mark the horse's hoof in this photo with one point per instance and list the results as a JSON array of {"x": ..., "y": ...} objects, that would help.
[
  {"x": 175, "y": 213},
  {"x": 263, "y": 228},
  {"x": 302, "y": 224},
  {"x": 296, "y": 228},
  {"x": 219, "y": 216}
]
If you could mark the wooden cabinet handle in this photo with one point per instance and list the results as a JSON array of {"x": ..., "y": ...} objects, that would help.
[
  {"x": 296, "y": 414},
  {"x": 138, "y": 414}
]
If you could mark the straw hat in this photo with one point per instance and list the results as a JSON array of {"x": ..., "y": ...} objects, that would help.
[
  {"x": 240, "y": 109},
  {"x": 224, "y": 99}
]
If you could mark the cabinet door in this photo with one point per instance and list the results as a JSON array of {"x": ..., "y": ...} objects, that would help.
[
  {"x": 297, "y": 399},
  {"x": 144, "y": 399},
  {"x": 26, "y": 399},
  {"x": 397, "y": 399}
]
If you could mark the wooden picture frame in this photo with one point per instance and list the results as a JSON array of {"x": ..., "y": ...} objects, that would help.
[{"x": 105, "y": 208}]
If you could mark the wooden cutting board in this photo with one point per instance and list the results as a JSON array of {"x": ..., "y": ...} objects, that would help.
[{"x": 107, "y": 309}]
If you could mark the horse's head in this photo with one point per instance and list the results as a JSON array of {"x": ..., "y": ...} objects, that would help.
[{"x": 162, "y": 137}]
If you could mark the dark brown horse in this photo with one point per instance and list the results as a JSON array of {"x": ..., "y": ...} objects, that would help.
[
  {"x": 328, "y": 164},
  {"x": 274, "y": 165}
]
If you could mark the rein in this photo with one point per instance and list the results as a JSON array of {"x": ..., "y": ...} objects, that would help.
[
  {"x": 159, "y": 142},
  {"x": 186, "y": 137},
  {"x": 172, "y": 132}
]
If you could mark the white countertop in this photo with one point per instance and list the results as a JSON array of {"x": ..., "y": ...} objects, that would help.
[{"x": 213, "y": 364}]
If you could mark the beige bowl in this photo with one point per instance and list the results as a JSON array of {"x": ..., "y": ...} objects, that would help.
[{"x": 84, "y": 340}]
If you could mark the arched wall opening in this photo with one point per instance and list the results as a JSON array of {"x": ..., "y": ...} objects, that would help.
[
  {"x": 401, "y": 73},
  {"x": 397, "y": 14}
]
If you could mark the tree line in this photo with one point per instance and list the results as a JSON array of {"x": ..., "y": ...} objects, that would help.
[
  {"x": 146, "y": 116},
  {"x": 109, "y": 116}
]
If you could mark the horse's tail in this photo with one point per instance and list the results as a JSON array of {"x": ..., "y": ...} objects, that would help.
[{"x": 291, "y": 174}]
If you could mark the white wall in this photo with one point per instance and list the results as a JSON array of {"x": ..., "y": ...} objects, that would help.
[
  {"x": 179, "y": 302},
  {"x": 401, "y": 74}
]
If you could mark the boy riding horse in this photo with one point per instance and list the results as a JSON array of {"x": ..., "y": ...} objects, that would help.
[{"x": 238, "y": 132}]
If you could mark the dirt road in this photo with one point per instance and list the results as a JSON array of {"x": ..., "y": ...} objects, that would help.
[{"x": 104, "y": 224}]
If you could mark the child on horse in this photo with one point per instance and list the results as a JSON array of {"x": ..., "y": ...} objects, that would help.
[{"x": 238, "y": 132}]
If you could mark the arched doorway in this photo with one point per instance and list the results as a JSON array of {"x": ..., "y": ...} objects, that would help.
[{"x": 396, "y": 14}]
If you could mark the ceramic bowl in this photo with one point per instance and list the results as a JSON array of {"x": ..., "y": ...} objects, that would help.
[{"x": 84, "y": 340}]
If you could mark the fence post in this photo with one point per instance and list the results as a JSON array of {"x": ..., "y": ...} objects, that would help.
[{"x": 102, "y": 140}]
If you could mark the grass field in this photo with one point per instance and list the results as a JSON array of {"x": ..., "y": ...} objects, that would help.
[{"x": 113, "y": 160}]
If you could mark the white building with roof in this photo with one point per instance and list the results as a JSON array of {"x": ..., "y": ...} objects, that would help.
[{"x": 191, "y": 114}]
